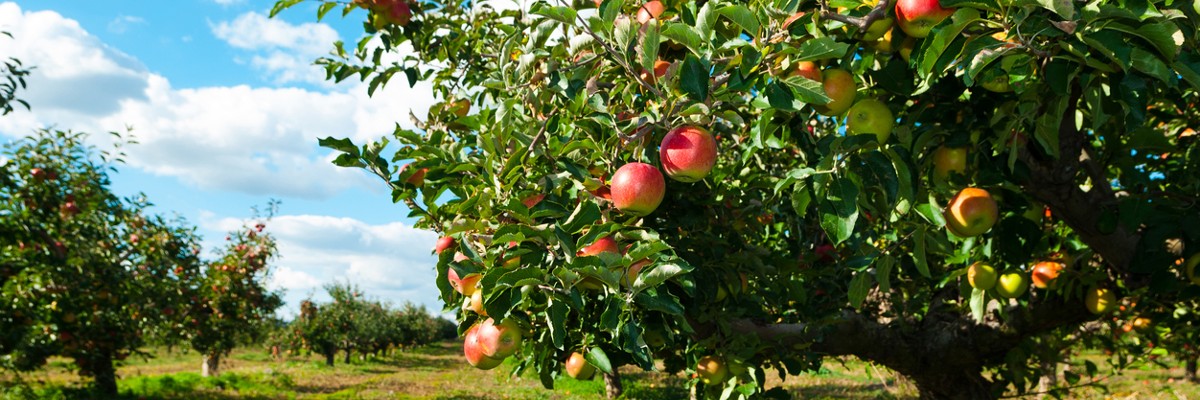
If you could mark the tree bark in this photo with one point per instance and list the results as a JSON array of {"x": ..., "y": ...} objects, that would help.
[
  {"x": 329, "y": 356},
  {"x": 1189, "y": 369},
  {"x": 211, "y": 365},
  {"x": 346, "y": 359},
  {"x": 1049, "y": 378},
  {"x": 104, "y": 375},
  {"x": 612, "y": 384}
]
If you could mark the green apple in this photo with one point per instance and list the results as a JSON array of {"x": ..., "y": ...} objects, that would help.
[
  {"x": 981, "y": 275},
  {"x": 711, "y": 369},
  {"x": 1011, "y": 284},
  {"x": 840, "y": 87},
  {"x": 878, "y": 29},
  {"x": 1100, "y": 300},
  {"x": 947, "y": 160},
  {"x": 1191, "y": 269},
  {"x": 871, "y": 116}
]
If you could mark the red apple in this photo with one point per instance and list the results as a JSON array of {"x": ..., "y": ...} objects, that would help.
[
  {"x": 918, "y": 17},
  {"x": 474, "y": 352},
  {"x": 533, "y": 200},
  {"x": 417, "y": 178},
  {"x": 971, "y": 213},
  {"x": 1045, "y": 272},
  {"x": 660, "y": 70},
  {"x": 637, "y": 188},
  {"x": 840, "y": 87},
  {"x": 466, "y": 286},
  {"x": 499, "y": 341},
  {"x": 602, "y": 245},
  {"x": 630, "y": 276},
  {"x": 688, "y": 153},
  {"x": 398, "y": 12},
  {"x": 443, "y": 243},
  {"x": 808, "y": 69},
  {"x": 650, "y": 10},
  {"x": 578, "y": 367}
]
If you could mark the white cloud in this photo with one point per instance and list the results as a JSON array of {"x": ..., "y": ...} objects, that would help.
[
  {"x": 122, "y": 23},
  {"x": 284, "y": 51},
  {"x": 254, "y": 140},
  {"x": 390, "y": 261}
]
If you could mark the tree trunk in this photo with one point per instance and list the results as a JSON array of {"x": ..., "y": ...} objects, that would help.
[
  {"x": 1049, "y": 378},
  {"x": 104, "y": 375},
  {"x": 211, "y": 365},
  {"x": 329, "y": 356},
  {"x": 951, "y": 383},
  {"x": 612, "y": 384},
  {"x": 1189, "y": 369},
  {"x": 346, "y": 359}
]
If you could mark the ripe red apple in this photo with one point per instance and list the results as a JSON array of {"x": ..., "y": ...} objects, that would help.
[
  {"x": 825, "y": 252},
  {"x": 443, "y": 243},
  {"x": 1100, "y": 300},
  {"x": 651, "y": 10},
  {"x": 871, "y": 116},
  {"x": 630, "y": 275},
  {"x": 499, "y": 341},
  {"x": 971, "y": 212},
  {"x": 474, "y": 352},
  {"x": 466, "y": 285},
  {"x": 1045, "y": 272},
  {"x": 711, "y": 369},
  {"x": 578, "y": 367},
  {"x": 1011, "y": 284},
  {"x": 660, "y": 70},
  {"x": 918, "y": 17},
  {"x": 602, "y": 245},
  {"x": 397, "y": 12},
  {"x": 37, "y": 174},
  {"x": 417, "y": 178},
  {"x": 688, "y": 153},
  {"x": 533, "y": 200},
  {"x": 840, "y": 87},
  {"x": 69, "y": 209},
  {"x": 981, "y": 275},
  {"x": 808, "y": 69},
  {"x": 637, "y": 188},
  {"x": 947, "y": 160}
]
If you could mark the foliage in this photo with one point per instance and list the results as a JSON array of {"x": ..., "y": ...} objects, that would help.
[
  {"x": 14, "y": 78},
  {"x": 803, "y": 242}
]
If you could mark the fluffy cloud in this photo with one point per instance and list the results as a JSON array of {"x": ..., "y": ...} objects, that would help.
[
  {"x": 282, "y": 50},
  {"x": 389, "y": 261},
  {"x": 255, "y": 140}
]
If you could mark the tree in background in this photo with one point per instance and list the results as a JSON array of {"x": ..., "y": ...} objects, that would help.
[
  {"x": 931, "y": 186},
  {"x": 83, "y": 274}
]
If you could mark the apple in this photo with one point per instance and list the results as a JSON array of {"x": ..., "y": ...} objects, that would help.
[
  {"x": 630, "y": 275},
  {"x": 499, "y": 341},
  {"x": 533, "y": 200},
  {"x": 871, "y": 116},
  {"x": 443, "y": 243},
  {"x": 637, "y": 188},
  {"x": 790, "y": 19},
  {"x": 997, "y": 83},
  {"x": 971, "y": 212},
  {"x": 578, "y": 367},
  {"x": 651, "y": 10},
  {"x": 906, "y": 48},
  {"x": 38, "y": 174},
  {"x": 808, "y": 69},
  {"x": 398, "y": 12},
  {"x": 1191, "y": 268},
  {"x": 840, "y": 87},
  {"x": 417, "y": 178},
  {"x": 947, "y": 160},
  {"x": 981, "y": 275},
  {"x": 1011, "y": 284},
  {"x": 711, "y": 369},
  {"x": 460, "y": 108},
  {"x": 878, "y": 29},
  {"x": 1045, "y": 272},
  {"x": 660, "y": 70},
  {"x": 1100, "y": 300},
  {"x": 602, "y": 245},
  {"x": 474, "y": 352},
  {"x": 466, "y": 285},
  {"x": 884, "y": 43},
  {"x": 688, "y": 153},
  {"x": 918, "y": 17},
  {"x": 474, "y": 302}
]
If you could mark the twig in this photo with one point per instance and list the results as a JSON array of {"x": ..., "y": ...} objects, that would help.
[
  {"x": 620, "y": 61},
  {"x": 863, "y": 22}
]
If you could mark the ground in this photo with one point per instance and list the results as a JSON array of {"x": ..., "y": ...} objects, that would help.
[{"x": 439, "y": 372}]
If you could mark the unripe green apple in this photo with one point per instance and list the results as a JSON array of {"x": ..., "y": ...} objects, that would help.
[
  {"x": 1011, "y": 284},
  {"x": 947, "y": 160},
  {"x": 1100, "y": 300},
  {"x": 918, "y": 17},
  {"x": 1191, "y": 268},
  {"x": 637, "y": 188},
  {"x": 688, "y": 153},
  {"x": 840, "y": 87},
  {"x": 577, "y": 367},
  {"x": 971, "y": 213},
  {"x": 871, "y": 116},
  {"x": 711, "y": 369},
  {"x": 878, "y": 29},
  {"x": 981, "y": 275}
]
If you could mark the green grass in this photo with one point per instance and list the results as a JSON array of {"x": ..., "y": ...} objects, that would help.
[{"x": 438, "y": 372}]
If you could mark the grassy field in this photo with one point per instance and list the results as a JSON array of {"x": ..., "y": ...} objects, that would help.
[{"x": 438, "y": 372}]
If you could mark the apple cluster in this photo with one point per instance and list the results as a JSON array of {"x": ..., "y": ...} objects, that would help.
[{"x": 687, "y": 154}]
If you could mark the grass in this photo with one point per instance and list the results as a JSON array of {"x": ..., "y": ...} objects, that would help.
[{"x": 438, "y": 372}]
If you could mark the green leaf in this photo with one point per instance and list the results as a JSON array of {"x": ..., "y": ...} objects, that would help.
[
  {"x": 919, "y": 253},
  {"x": 694, "y": 78},
  {"x": 1188, "y": 67},
  {"x": 939, "y": 41},
  {"x": 839, "y": 209},
  {"x": 1111, "y": 44},
  {"x": 810, "y": 91},
  {"x": 632, "y": 343},
  {"x": 684, "y": 35},
  {"x": 1063, "y": 8},
  {"x": 597, "y": 358},
  {"x": 883, "y": 272},
  {"x": 324, "y": 9},
  {"x": 556, "y": 318},
  {"x": 649, "y": 48},
  {"x": 1150, "y": 64},
  {"x": 657, "y": 275},
  {"x": 782, "y": 98},
  {"x": 343, "y": 145},
  {"x": 978, "y": 301},
  {"x": 660, "y": 301},
  {"x": 562, "y": 14},
  {"x": 585, "y": 214},
  {"x": 1048, "y": 124},
  {"x": 282, "y": 5},
  {"x": 860, "y": 285},
  {"x": 706, "y": 20},
  {"x": 822, "y": 48},
  {"x": 742, "y": 16}
]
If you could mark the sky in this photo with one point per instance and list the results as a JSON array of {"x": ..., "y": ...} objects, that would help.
[{"x": 227, "y": 108}]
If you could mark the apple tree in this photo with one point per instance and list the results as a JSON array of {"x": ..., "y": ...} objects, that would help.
[
  {"x": 14, "y": 73},
  {"x": 737, "y": 188},
  {"x": 84, "y": 274}
]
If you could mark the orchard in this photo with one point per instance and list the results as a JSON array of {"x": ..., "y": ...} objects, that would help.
[{"x": 966, "y": 188}]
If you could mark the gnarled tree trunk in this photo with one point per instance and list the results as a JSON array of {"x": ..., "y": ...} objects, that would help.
[
  {"x": 104, "y": 375},
  {"x": 612, "y": 384},
  {"x": 211, "y": 365},
  {"x": 329, "y": 356},
  {"x": 1189, "y": 369}
]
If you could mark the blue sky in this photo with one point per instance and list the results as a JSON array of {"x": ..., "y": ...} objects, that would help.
[{"x": 228, "y": 108}]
